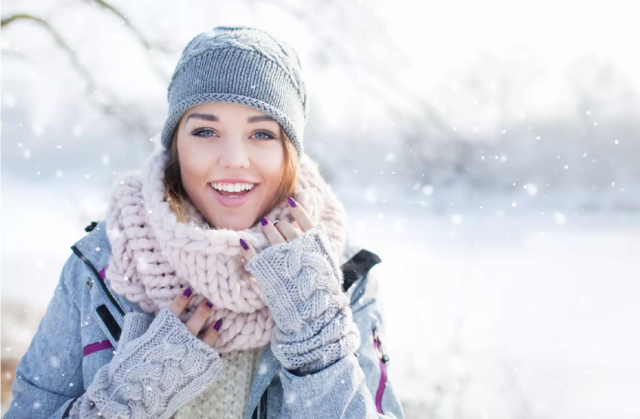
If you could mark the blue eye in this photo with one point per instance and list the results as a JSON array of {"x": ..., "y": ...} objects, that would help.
[
  {"x": 201, "y": 130},
  {"x": 206, "y": 133},
  {"x": 269, "y": 134}
]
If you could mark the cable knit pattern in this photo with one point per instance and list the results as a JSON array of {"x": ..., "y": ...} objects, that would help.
[
  {"x": 152, "y": 375},
  {"x": 154, "y": 257},
  {"x": 302, "y": 282},
  {"x": 242, "y": 38},
  {"x": 228, "y": 397}
]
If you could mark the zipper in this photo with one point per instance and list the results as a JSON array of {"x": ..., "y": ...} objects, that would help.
[
  {"x": 100, "y": 280},
  {"x": 261, "y": 408},
  {"x": 384, "y": 360}
]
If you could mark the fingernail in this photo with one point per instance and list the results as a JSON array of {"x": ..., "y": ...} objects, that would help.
[
  {"x": 217, "y": 325},
  {"x": 187, "y": 293},
  {"x": 292, "y": 202},
  {"x": 264, "y": 221},
  {"x": 244, "y": 244},
  {"x": 209, "y": 304},
  {"x": 276, "y": 223}
]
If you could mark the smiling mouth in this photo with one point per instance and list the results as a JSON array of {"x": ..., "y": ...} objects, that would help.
[{"x": 234, "y": 195}]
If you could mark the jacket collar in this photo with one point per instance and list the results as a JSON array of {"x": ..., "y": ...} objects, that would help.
[{"x": 95, "y": 250}]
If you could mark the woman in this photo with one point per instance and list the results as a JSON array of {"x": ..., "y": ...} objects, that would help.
[{"x": 222, "y": 282}]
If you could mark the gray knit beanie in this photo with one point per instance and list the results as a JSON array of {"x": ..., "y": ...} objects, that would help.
[{"x": 240, "y": 65}]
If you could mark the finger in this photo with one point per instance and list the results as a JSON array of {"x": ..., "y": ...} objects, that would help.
[
  {"x": 179, "y": 303},
  {"x": 211, "y": 335},
  {"x": 300, "y": 215},
  {"x": 272, "y": 233},
  {"x": 288, "y": 230},
  {"x": 247, "y": 250},
  {"x": 195, "y": 323}
]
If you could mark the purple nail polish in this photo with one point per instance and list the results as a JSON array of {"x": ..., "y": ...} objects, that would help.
[
  {"x": 244, "y": 244},
  {"x": 264, "y": 221},
  {"x": 292, "y": 202},
  {"x": 209, "y": 304},
  {"x": 217, "y": 325},
  {"x": 187, "y": 293}
]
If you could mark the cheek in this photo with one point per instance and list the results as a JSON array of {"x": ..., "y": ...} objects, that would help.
[
  {"x": 193, "y": 168},
  {"x": 270, "y": 166}
]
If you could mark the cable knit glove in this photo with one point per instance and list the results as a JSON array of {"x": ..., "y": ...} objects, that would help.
[
  {"x": 153, "y": 373},
  {"x": 302, "y": 284}
]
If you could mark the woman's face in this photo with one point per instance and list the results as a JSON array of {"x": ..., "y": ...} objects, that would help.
[{"x": 224, "y": 149}]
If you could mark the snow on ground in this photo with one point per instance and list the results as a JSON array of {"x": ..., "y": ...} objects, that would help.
[{"x": 489, "y": 318}]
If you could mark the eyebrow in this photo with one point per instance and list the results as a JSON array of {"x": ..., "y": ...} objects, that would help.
[{"x": 215, "y": 118}]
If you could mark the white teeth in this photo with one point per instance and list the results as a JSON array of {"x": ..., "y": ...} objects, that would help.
[{"x": 233, "y": 187}]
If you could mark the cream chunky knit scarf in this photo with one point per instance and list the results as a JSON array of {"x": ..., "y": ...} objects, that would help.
[{"x": 154, "y": 257}]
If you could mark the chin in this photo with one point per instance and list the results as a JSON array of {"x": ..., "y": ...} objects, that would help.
[{"x": 239, "y": 222}]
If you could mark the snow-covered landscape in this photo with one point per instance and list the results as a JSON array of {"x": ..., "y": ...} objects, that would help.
[{"x": 494, "y": 168}]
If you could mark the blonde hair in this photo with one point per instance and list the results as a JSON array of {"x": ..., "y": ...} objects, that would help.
[{"x": 180, "y": 202}]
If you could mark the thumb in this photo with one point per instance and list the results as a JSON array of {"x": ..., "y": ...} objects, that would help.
[{"x": 135, "y": 325}]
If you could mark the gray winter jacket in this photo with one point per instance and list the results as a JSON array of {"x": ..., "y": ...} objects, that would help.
[{"x": 84, "y": 322}]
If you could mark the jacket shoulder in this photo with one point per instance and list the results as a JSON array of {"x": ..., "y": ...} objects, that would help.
[
  {"x": 94, "y": 246},
  {"x": 92, "y": 250},
  {"x": 356, "y": 261}
]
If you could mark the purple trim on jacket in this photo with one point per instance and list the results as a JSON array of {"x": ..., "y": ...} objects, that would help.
[{"x": 97, "y": 346}]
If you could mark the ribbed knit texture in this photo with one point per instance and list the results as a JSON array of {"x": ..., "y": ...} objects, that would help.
[
  {"x": 154, "y": 257},
  {"x": 240, "y": 65},
  {"x": 302, "y": 283},
  {"x": 153, "y": 374},
  {"x": 228, "y": 396}
]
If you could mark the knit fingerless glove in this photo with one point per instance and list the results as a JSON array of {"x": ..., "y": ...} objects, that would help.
[
  {"x": 302, "y": 285},
  {"x": 152, "y": 374}
]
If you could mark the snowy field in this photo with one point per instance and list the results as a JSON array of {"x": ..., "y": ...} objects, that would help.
[
  {"x": 489, "y": 315},
  {"x": 491, "y": 319}
]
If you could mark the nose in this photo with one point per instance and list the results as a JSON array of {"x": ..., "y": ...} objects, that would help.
[{"x": 234, "y": 153}]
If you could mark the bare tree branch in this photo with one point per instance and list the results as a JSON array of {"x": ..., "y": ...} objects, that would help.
[
  {"x": 92, "y": 91},
  {"x": 336, "y": 47},
  {"x": 141, "y": 38}
]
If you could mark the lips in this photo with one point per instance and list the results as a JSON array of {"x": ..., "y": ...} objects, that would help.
[
  {"x": 233, "y": 194},
  {"x": 227, "y": 199}
]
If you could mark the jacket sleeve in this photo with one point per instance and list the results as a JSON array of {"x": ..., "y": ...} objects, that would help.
[
  {"x": 355, "y": 386},
  {"x": 49, "y": 375}
]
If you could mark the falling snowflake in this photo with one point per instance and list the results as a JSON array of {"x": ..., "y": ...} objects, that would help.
[
  {"x": 427, "y": 190},
  {"x": 291, "y": 398},
  {"x": 531, "y": 189}
]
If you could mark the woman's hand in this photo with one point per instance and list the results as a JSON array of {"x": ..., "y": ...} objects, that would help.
[
  {"x": 157, "y": 368},
  {"x": 281, "y": 231},
  {"x": 302, "y": 285},
  {"x": 195, "y": 323}
]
